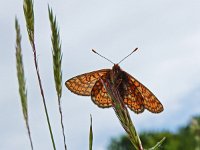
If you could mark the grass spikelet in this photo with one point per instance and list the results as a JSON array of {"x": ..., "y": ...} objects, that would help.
[
  {"x": 57, "y": 62},
  {"x": 21, "y": 79},
  {"x": 56, "y": 53},
  {"x": 29, "y": 16}
]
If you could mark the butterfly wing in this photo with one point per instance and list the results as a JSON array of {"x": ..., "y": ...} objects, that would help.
[
  {"x": 83, "y": 84},
  {"x": 99, "y": 94},
  {"x": 132, "y": 97},
  {"x": 139, "y": 97}
]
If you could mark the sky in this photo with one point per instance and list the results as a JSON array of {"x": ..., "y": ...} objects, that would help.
[{"x": 167, "y": 34}]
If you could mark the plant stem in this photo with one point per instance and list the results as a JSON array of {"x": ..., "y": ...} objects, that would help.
[
  {"x": 29, "y": 134},
  {"x": 29, "y": 17},
  {"x": 42, "y": 93},
  {"x": 61, "y": 121}
]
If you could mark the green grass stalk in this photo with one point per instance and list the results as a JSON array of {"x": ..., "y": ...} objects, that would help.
[
  {"x": 29, "y": 17},
  {"x": 57, "y": 62},
  {"x": 21, "y": 79}
]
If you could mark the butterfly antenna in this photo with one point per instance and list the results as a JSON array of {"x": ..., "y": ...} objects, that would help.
[
  {"x": 102, "y": 56},
  {"x": 128, "y": 55}
]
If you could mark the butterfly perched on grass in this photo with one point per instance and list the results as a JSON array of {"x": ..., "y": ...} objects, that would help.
[{"x": 134, "y": 94}]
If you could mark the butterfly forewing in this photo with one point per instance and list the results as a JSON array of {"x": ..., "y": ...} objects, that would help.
[
  {"x": 150, "y": 101},
  {"x": 99, "y": 94},
  {"x": 83, "y": 84}
]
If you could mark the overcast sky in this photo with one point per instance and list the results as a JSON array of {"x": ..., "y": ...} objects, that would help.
[{"x": 167, "y": 34}]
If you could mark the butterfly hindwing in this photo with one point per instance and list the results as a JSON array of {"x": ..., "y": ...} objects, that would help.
[
  {"x": 131, "y": 96},
  {"x": 150, "y": 101},
  {"x": 99, "y": 94},
  {"x": 83, "y": 84}
]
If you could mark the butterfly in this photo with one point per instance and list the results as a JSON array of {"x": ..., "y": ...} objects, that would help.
[{"x": 134, "y": 94}]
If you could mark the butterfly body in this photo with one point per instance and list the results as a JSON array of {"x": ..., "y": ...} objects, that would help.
[{"x": 134, "y": 94}]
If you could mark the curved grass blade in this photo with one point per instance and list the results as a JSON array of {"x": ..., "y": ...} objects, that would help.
[{"x": 157, "y": 145}]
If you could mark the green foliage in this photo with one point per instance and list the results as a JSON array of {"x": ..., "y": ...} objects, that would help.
[
  {"x": 121, "y": 143},
  {"x": 187, "y": 138},
  {"x": 150, "y": 138},
  {"x": 195, "y": 130}
]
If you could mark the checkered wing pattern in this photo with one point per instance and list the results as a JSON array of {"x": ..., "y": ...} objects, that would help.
[
  {"x": 83, "y": 84},
  {"x": 138, "y": 97},
  {"x": 99, "y": 94}
]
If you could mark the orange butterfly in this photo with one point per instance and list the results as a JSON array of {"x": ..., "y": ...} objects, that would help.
[{"x": 135, "y": 95}]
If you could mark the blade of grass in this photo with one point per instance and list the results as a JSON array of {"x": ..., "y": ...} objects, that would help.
[
  {"x": 29, "y": 17},
  {"x": 90, "y": 134},
  {"x": 158, "y": 144},
  {"x": 57, "y": 61},
  {"x": 21, "y": 79}
]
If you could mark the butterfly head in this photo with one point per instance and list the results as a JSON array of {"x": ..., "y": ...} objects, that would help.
[
  {"x": 116, "y": 69},
  {"x": 115, "y": 73}
]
